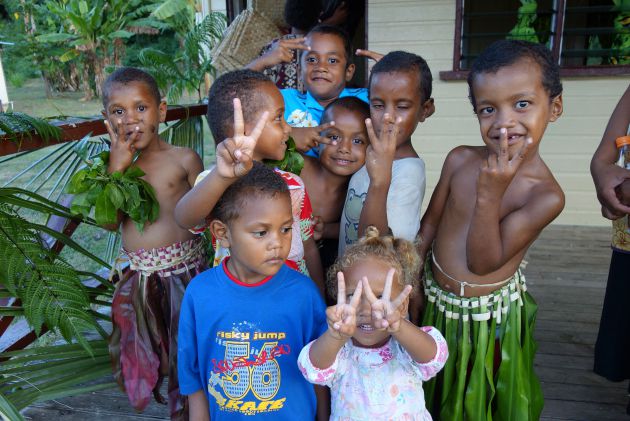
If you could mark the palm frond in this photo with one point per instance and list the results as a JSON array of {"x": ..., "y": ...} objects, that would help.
[
  {"x": 18, "y": 126},
  {"x": 187, "y": 132},
  {"x": 52, "y": 372}
]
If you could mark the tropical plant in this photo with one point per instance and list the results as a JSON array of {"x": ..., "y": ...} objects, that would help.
[
  {"x": 186, "y": 71},
  {"x": 16, "y": 126},
  {"x": 93, "y": 32}
]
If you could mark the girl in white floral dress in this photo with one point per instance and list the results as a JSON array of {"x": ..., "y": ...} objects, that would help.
[{"x": 374, "y": 359}]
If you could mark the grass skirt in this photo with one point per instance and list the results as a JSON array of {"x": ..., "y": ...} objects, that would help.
[
  {"x": 145, "y": 316},
  {"x": 489, "y": 374}
]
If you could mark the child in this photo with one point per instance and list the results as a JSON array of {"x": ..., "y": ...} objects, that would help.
[
  {"x": 388, "y": 191},
  {"x": 490, "y": 204},
  {"x": 378, "y": 374},
  {"x": 163, "y": 257},
  {"x": 326, "y": 67},
  {"x": 326, "y": 179},
  {"x": 242, "y": 323},
  {"x": 262, "y": 118}
]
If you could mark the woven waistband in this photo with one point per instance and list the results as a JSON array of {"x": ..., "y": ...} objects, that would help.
[
  {"x": 481, "y": 308},
  {"x": 169, "y": 260}
]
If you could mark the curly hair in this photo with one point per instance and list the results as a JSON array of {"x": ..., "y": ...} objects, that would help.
[
  {"x": 243, "y": 84},
  {"x": 126, "y": 75},
  {"x": 396, "y": 252},
  {"x": 260, "y": 181},
  {"x": 403, "y": 61},
  {"x": 506, "y": 52}
]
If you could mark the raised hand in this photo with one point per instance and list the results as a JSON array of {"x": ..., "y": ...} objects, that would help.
[
  {"x": 310, "y": 137},
  {"x": 386, "y": 314},
  {"x": 369, "y": 54},
  {"x": 498, "y": 171},
  {"x": 282, "y": 51},
  {"x": 122, "y": 147},
  {"x": 342, "y": 317},
  {"x": 382, "y": 149},
  {"x": 318, "y": 227},
  {"x": 235, "y": 154}
]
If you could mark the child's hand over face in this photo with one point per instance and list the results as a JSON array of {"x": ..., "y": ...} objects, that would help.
[
  {"x": 235, "y": 154},
  {"x": 122, "y": 147},
  {"x": 342, "y": 318},
  {"x": 386, "y": 314},
  {"x": 282, "y": 51},
  {"x": 307, "y": 138},
  {"x": 497, "y": 172},
  {"x": 380, "y": 154}
]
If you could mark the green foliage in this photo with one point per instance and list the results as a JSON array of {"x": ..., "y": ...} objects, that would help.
[
  {"x": 292, "y": 162},
  {"x": 19, "y": 125},
  {"x": 108, "y": 194},
  {"x": 50, "y": 289},
  {"x": 524, "y": 28},
  {"x": 51, "y": 372},
  {"x": 185, "y": 70}
]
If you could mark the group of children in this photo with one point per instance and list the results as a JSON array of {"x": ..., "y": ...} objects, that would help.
[{"x": 254, "y": 330}]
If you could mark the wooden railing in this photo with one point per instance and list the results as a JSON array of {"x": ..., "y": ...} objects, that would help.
[
  {"x": 75, "y": 129},
  {"x": 72, "y": 130}
]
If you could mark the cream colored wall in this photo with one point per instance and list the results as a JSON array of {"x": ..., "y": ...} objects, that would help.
[{"x": 426, "y": 27}]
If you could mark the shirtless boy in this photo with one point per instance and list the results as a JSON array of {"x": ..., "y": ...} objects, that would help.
[
  {"x": 163, "y": 257},
  {"x": 490, "y": 204}
]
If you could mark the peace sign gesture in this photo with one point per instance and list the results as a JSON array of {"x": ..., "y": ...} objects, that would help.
[
  {"x": 121, "y": 147},
  {"x": 498, "y": 171},
  {"x": 382, "y": 149},
  {"x": 235, "y": 154},
  {"x": 386, "y": 314},
  {"x": 342, "y": 318}
]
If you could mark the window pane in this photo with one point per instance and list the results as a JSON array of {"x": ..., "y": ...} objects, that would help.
[
  {"x": 596, "y": 32},
  {"x": 486, "y": 21}
]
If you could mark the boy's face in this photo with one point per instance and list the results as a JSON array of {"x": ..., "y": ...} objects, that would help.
[
  {"x": 134, "y": 106},
  {"x": 514, "y": 98},
  {"x": 259, "y": 239},
  {"x": 324, "y": 68},
  {"x": 348, "y": 155},
  {"x": 375, "y": 270},
  {"x": 398, "y": 94},
  {"x": 272, "y": 142}
]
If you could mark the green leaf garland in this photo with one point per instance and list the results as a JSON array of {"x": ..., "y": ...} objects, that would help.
[{"x": 109, "y": 194}]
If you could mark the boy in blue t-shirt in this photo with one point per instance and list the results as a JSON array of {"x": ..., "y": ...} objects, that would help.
[{"x": 243, "y": 323}]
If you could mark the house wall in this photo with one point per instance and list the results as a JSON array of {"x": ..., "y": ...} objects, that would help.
[{"x": 426, "y": 27}]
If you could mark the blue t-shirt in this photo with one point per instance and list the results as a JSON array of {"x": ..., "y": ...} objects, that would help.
[
  {"x": 240, "y": 343},
  {"x": 302, "y": 110}
]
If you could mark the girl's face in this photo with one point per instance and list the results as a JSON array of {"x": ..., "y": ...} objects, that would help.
[{"x": 376, "y": 271}]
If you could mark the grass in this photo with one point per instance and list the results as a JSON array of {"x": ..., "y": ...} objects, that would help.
[{"x": 31, "y": 99}]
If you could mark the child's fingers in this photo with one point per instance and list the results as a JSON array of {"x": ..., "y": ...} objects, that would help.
[
  {"x": 239, "y": 123},
  {"x": 341, "y": 289},
  {"x": 368, "y": 291},
  {"x": 324, "y": 140},
  {"x": 503, "y": 146},
  {"x": 369, "y": 54},
  {"x": 389, "y": 280},
  {"x": 296, "y": 44},
  {"x": 518, "y": 158},
  {"x": 260, "y": 125},
  {"x": 356, "y": 296},
  {"x": 134, "y": 137},
  {"x": 393, "y": 133},
  {"x": 370, "y": 131},
  {"x": 402, "y": 296},
  {"x": 110, "y": 130},
  {"x": 120, "y": 131}
]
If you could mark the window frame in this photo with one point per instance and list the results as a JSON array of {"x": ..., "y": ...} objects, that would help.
[{"x": 457, "y": 73}]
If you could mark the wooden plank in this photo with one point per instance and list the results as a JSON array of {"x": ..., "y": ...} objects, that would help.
[{"x": 582, "y": 411}]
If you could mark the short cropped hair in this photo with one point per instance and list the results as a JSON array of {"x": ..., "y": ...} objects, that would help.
[
  {"x": 396, "y": 252},
  {"x": 403, "y": 61},
  {"x": 350, "y": 103},
  {"x": 242, "y": 84},
  {"x": 506, "y": 52},
  {"x": 260, "y": 181},
  {"x": 302, "y": 14},
  {"x": 339, "y": 33},
  {"x": 125, "y": 75}
]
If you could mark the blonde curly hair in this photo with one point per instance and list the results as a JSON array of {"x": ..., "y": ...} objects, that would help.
[{"x": 400, "y": 254}]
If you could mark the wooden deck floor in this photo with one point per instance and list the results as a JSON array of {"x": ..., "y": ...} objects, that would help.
[{"x": 567, "y": 275}]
